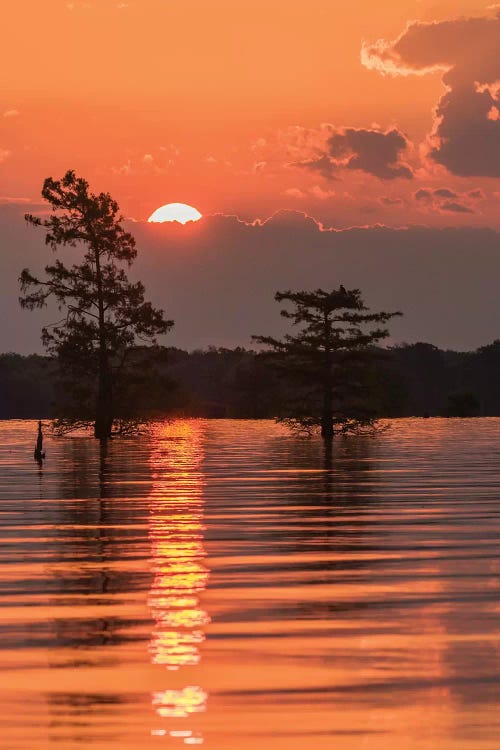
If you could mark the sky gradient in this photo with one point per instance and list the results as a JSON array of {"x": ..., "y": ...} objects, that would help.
[{"x": 354, "y": 114}]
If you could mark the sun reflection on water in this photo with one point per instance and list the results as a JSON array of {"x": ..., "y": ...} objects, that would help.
[{"x": 179, "y": 575}]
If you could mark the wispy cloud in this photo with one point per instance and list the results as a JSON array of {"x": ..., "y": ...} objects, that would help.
[
  {"x": 10, "y": 200},
  {"x": 159, "y": 162}
]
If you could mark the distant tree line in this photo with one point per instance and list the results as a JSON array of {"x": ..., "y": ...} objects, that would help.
[{"x": 409, "y": 380}]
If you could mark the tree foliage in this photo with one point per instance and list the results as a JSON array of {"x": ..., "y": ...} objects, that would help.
[
  {"x": 107, "y": 320},
  {"x": 328, "y": 362}
]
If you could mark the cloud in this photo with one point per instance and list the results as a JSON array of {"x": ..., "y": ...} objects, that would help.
[
  {"x": 445, "y": 193},
  {"x": 466, "y": 134},
  {"x": 9, "y": 113},
  {"x": 316, "y": 191},
  {"x": 388, "y": 201},
  {"x": 259, "y": 166},
  {"x": 456, "y": 207},
  {"x": 4, "y": 154},
  {"x": 217, "y": 277},
  {"x": 445, "y": 200},
  {"x": 368, "y": 150},
  {"x": 372, "y": 151},
  {"x": 294, "y": 146},
  {"x": 323, "y": 165},
  {"x": 149, "y": 163},
  {"x": 476, "y": 194},
  {"x": 295, "y": 193},
  {"x": 9, "y": 200}
]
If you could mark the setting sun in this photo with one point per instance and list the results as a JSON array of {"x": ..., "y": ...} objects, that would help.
[{"x": 180, "y": 212}]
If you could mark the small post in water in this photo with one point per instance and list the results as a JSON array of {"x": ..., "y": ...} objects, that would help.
[{"x": 39, "y": 453}]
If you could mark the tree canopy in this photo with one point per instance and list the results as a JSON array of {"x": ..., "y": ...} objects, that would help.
[
  {"x": 328, "y": 360},
  {"x": 106, "y": 318}
]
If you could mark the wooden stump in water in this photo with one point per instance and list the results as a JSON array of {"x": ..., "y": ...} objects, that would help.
[{"x": 39, "y": 453}]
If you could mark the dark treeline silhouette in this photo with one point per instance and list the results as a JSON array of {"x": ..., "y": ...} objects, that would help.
[{"x": 412, "y": 380}]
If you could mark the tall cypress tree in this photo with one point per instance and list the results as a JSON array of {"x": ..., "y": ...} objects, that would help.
[
  {"x": 327, "y": 363},
  {"x": 105, "y": 315}
]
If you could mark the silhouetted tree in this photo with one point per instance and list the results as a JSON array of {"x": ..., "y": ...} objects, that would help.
[
  {"x": 462, "y": 405},
  {"x": 328, "y": 360},
  {"x": 426, "y": 374},
  {"x": 106, "y": 315}
]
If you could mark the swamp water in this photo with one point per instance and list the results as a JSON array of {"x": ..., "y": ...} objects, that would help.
[{"x": 226, "y": 584}]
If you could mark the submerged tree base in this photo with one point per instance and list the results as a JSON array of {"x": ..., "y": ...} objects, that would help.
[
  {"x": 311, "y": 428},
  {"x": 121, "y": 427}
]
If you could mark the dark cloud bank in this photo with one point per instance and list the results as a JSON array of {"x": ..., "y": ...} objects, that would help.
[
  {"x": 466, "y": 133},
  {"x": 217, "y": 278}
]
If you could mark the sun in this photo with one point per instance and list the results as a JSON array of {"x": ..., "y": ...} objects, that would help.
[{"x": 180, "y": 212}]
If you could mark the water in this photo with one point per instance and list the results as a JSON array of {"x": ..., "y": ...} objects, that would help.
[{"x": 226, "y": 584}]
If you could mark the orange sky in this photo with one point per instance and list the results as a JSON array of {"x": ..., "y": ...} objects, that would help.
[{"x": 196, "y": 101}]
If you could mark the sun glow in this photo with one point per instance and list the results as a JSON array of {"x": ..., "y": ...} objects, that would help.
[{"x": 180, "y": 212}]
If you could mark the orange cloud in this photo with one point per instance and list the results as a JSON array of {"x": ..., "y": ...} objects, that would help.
[
  {"x": 466, "y": 134},
  {"x": 445, "y": 200},
  {"x": 372, "y": 151}
]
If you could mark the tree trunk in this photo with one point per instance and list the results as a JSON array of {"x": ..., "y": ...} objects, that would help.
[
  {"x": 104, "y": 407},
  {"x": 327, "y": 417},
  {"x": 327, "y": 411}
]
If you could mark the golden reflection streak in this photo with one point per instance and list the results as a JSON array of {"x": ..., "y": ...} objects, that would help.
[{"x": 179, "y": 576}]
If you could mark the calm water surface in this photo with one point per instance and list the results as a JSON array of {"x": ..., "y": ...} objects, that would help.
[{"x": 223, "y": 583}]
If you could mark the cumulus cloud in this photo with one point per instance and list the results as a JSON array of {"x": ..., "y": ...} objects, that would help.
[
  {"x": 466, "y": 134},
  {"x": 9, "y": 113},
  {"x": 4, "y": 154},
  {"x": 372, "y": 151},
  {"x": 328, "y": 151},
  {"x": 322, "y": 165},
  {"x": 445, "y": 200}
]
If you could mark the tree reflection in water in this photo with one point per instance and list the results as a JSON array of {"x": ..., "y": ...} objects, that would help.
[{"x": 179, "y": 575}]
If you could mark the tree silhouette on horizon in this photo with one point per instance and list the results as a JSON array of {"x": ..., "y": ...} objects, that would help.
[
  {"x": 328, "y": 360},
  {"x": 106, "y": 316}
]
